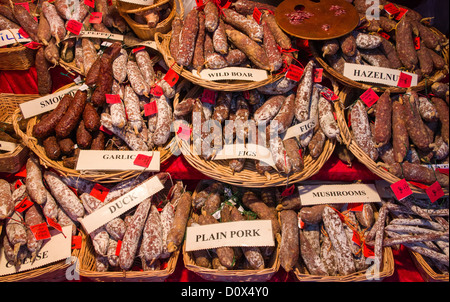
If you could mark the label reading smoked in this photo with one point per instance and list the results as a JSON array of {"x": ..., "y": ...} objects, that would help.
[
  {"x": 348, "y": 193},
  {"x": 121, "y": 205},
  {"x": 239, "y": 233},
  {"x": 104, "y": 160}
]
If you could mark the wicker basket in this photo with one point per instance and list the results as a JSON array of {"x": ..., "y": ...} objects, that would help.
[
  {"x": 142, "y": 30},
  {"x": 386, "y": 270},
  {"x": 425, "y": 270},
  {"x": 315, "y": 47},
  {"x": 13, "y": 161},
  {"x": 88, "y": 268},
  {"x": 16, "y": 58},
  {"x": 249, "y": 177},
  {"x": 230, "y": 275},
  {"x": 163, "y": 42},
  {"x": 55, "y": 272},
  {"x": 359, "y": 154},
  {"x": 35, "y": 145}
]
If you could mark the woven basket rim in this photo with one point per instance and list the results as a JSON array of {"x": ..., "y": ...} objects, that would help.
[
  {"x": 363, "y": 157},
  {"x": 162, "y": 43},
  {"x": 438, "y": 75},
  {"x": 141, "y": 8},
  {"x": 101, "y": 177},
  {"x": 249, "y": 177},
  {"x": 426, "y": 269}
]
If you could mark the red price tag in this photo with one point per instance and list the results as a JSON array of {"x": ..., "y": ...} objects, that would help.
[
  {"x": 18, "y": 184},
  {"x": 355, "y": 207},
  {"x": 208, "y": 96},
  {"x": 401, "y": 189},
  {"x": 99, "y": 192},
  {"x": 318, "y": 75},
  {"x": 369, "y": 97},
  {"x": 23, "y": 33},
  {"x": 402, "y": 12},
  {"x": 384, "y": 35},
  {"x": 434, "y": 191},
  {"x": 417, "y": 43},
  {"x": 184, "y": 132},
  {"x": 90, "y": 3},
  {"x": 135, "y": 50},
  {"x": 23, "y": 205},
  {"x": 26, "y": 5},
  {"x": 112, "y": 98},
  {"x": 96, "y": 17},
  {"x": 257, "y": 15},
  {"x": 442, "y": 170},
  {"x": 102, "y": 128},
  {"x": 40, "y": 231},
  {"x": 53, "y": 224},
  {"x": 143, "y": 160},
  {"x": 150, "y": 108},
  {"x": 74, "y": 26},
  {"x": 171, "y": 77},
  {"x": 118, "y": 247},
  {"x": 368, "y": 251},
  {"x": 288, "y": 191},
  {"x": 76, "y": 242},
  {"x": 157, "y": 91},
  {"x": 294, "y": 73},
  {"x": 329, "y": 95},
  {"x": 33, "y": 45},
  {"x": 391, "y": 9},
  {"x": 404, "y": 80},
  {"x": 356, "y": 238}
]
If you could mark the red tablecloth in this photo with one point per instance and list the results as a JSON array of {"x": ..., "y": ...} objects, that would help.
[{"x": 24, "y": 82}]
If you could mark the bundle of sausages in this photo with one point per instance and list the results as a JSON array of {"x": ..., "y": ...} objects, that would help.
[
  {"x": 214, "y": 37},
  {"x": 150, "y": 232},
  {"x": 257, "y": 107},
  {"x": 420, "y": 226},
  {"x": 409, "y": 131},
  {"x": 152, "y": 17},
  {"x": 397, "y": 49},
  {"x": 216, "y": 202},
  {"x": 51, "y": 199},
  {"x": 77, "y": 120},
  {"x": 324, "y": 242}
]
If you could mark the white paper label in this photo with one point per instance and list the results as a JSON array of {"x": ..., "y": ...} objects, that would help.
[
  {"x": 101, "y": 160},
  {"x": 7, "y": 146},
  {"x": 437, "y": 166},
  {"x": 58, "y": 247},
  {"x": 232, "y": 73},
  {"x": 240, "y": 233},
  {"x": 11, "y": 36},
  {"x": 348, "y": 193},
  {"x": 301, "y": 128},
  {"x": 252, "y": 151},
  {"x": 97, "y": 34},
  {"x": 45, "y": 103},
  {"x": 122, "y": 204},
  {"x": 373, "y": 74},
  {"x": 151, "y": 44},
  {"x": 139, "y": 2}
]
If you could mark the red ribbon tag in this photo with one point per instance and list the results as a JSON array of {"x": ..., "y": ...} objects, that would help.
[
  {"x": 404, "y": 80},
  {"x": 150, "y": 108},
  {"x": 23, "y": 205},
  {"x": 391, "y": 9},
  {"x": 74, "y": 26},
  {"x": 294, "y": 73},
  {"x": 434, "y": 191},
  {"x": 156, "y": 91},
  {"x": 171, "y": 77},
  {"x": 143, "y": 160},
  {"x": 118, "y": 247},
  {"x": 90, "y": 3},
  {"x": 102, "y": 128},
  {"x": 318, "y": 75},
  {"x": 368, "y": 251},
  {"x": 443, "y": 171},
  {"x": 402, "y": 12},
  {"x": 99, "y": 192},
  {"x": 401, "y": 189},
  {"x": 18, "y": 184},
  {"x": 23, "y": 33},
  {"x": 200, "y": 4},
  {"x": 417, "y": 43},
  {"x": 112, "y": 98},
  {"x": 384, "y": 35},
  {"x": 369, "y": 97},
  {"x": 33, "y": 45},
  {"x": 76, "y": 242},
  {"x": 257, "y": 15},
  {"x": 184, "y": 132},
  {"x": 356, "y": 238},
  {"x": 208, "y": 96},
  {"x": 135, "y": 50},
  {"x": 96, "y": 17},
  {"x": 40, "y": 231},
  {"x": 53, "y": 224},
  {"x": 355, "y": 207},
  {"x": 288, "y": 191}
]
